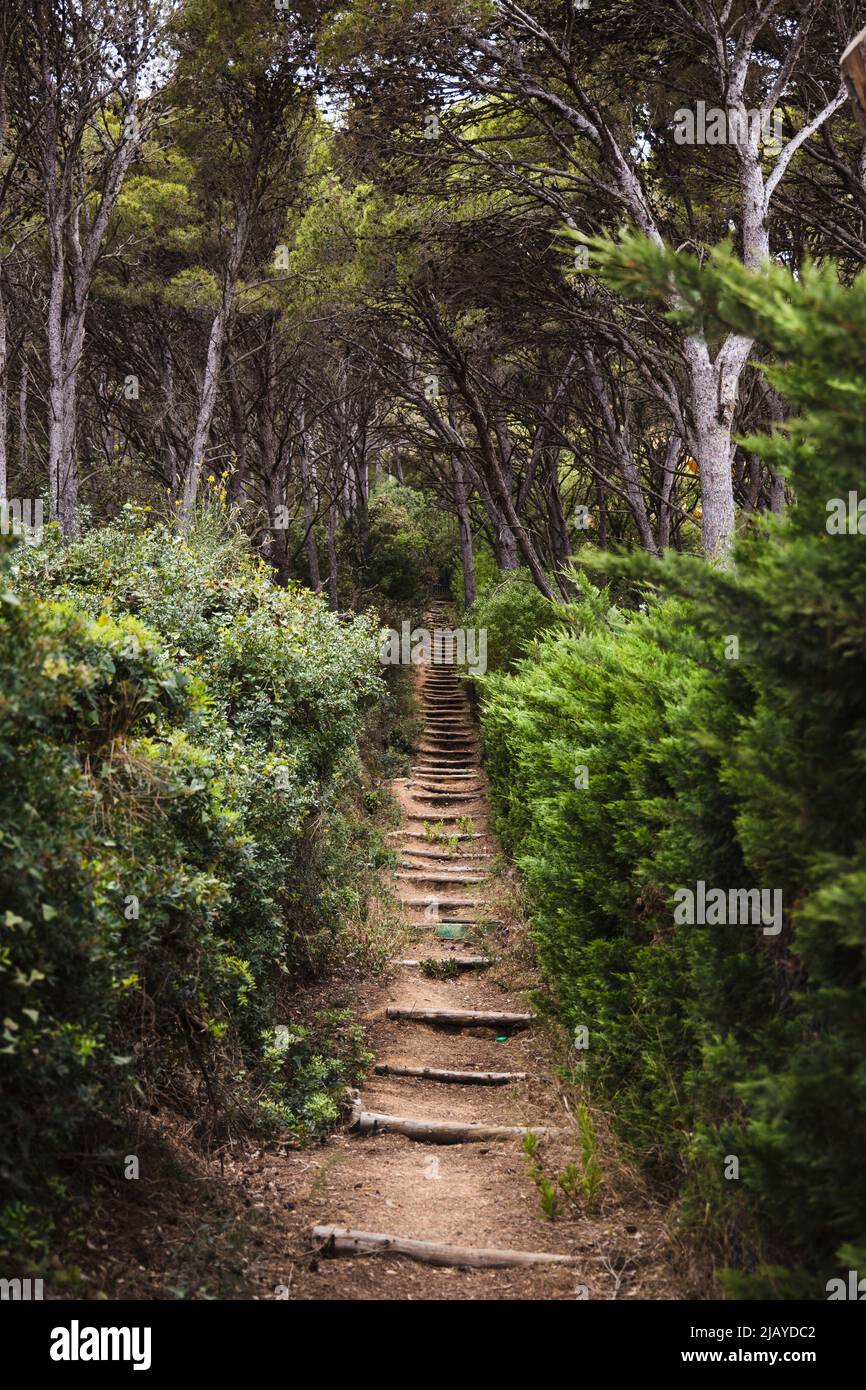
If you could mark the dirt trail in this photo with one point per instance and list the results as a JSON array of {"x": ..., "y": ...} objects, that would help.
[{"x": 468, "y": 1194}]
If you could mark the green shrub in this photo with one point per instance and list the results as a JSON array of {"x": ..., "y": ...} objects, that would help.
[
  {"x": 175, "y": 737},
  {"x": 514, "y": 613},
  {"x": 310, "y": 1068},
  {"x": 409, "y": 545},
  {"x": 739, "y": 767}
]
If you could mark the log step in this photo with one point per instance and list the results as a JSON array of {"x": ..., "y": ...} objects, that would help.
[
  {"x": 342, "y": 1240},
  {"x": 462, "y": 962},
  {"x": 435, "y": 781},
  {"x": 453, "y": 931},
  {"x": 444, "y": 902},
  {"x": 442, "y": 770},
  {"x": 446, "y": 1131},
  {"x": 457, "y": 1078},
  {"x": 458, "y": 876},
  {"x": 434, "y": 796},
  {"x": 440, "y": 860},
  {"x": 446, "y": 858},
  {"x": 419, "y": 834},
  {"x": 434, "y": 820},
  {"x": 450, "y": 740},
  {"x": 461, "y": 1018},
  {"x": 447, "y": 930}
]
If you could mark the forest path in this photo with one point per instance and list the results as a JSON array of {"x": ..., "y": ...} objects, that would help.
[{"x": 477, "y": 1193}]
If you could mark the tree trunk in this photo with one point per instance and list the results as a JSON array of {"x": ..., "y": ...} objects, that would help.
[
  {"x": 601, "y": 497},
  {"x": 54, "y": 337},
  {"x": 309, "y": 511},
  {"x": 23, "y": 420},
  {"x": 207, "y": 403},
  {"x": 4, "y": 391},
  {"x": 560, "y": 542},
  {"x": 167, "y": 430},
  {"x": 714, "y": 386},
  {"x": 467, "y": 558},
  {"x": 238, "y": 481},
  {"x": 332, "y": 556},
  {"x": 213, "y": 362},
  {"x": 672, "y": 456}
]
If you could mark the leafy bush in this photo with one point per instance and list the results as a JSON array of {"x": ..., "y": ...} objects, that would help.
[
  {"x": 408, "y": 546},
  {"x": 739, "y": 766},
  {"x": 514, "y": 613},
  {"x": 310, "y": 1068},
  {"x": 175, "y": 736}
]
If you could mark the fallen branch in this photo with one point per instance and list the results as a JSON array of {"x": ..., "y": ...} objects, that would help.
[
  {"x": 462, "y": 1017},
  {"x": 462, "y": 962},
  {"x": 340, "y": 1240},
  {"x": 460, "y": 1078},
  {"x": 447, "y": 1131}
]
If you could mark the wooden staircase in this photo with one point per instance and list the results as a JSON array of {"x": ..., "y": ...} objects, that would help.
[{"x": 443, "y": 885}]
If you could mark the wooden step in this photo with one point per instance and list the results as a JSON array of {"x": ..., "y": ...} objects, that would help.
[
  {"x": 445, "y": 786},
  {"x": 448, "y": 931},
  {"x": 469, "y": 736},
  {"x": 443, "y": 798},
  {"x": 461, "y": 1018},
  {"x": 428, "y": 776},
  {"x": 461, "y": 962},
  {"x": 448, "y": 750},
  {"x": 447, "y": 1131},
  {"x": 439, "y": 876},
  {"x": 438, "y": 900},
  {"x": 454, "y": 931},
  {"x": 456, "y": 1078},
  {"x": 343, "y": 1240},
  {"x": 447, "y": 858},
  {"x": 430, "y": 819},
  {"x": 442, "y": 770},
  {"x": 419, "y": 834},
  {"x": 440, "y": 859}
]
